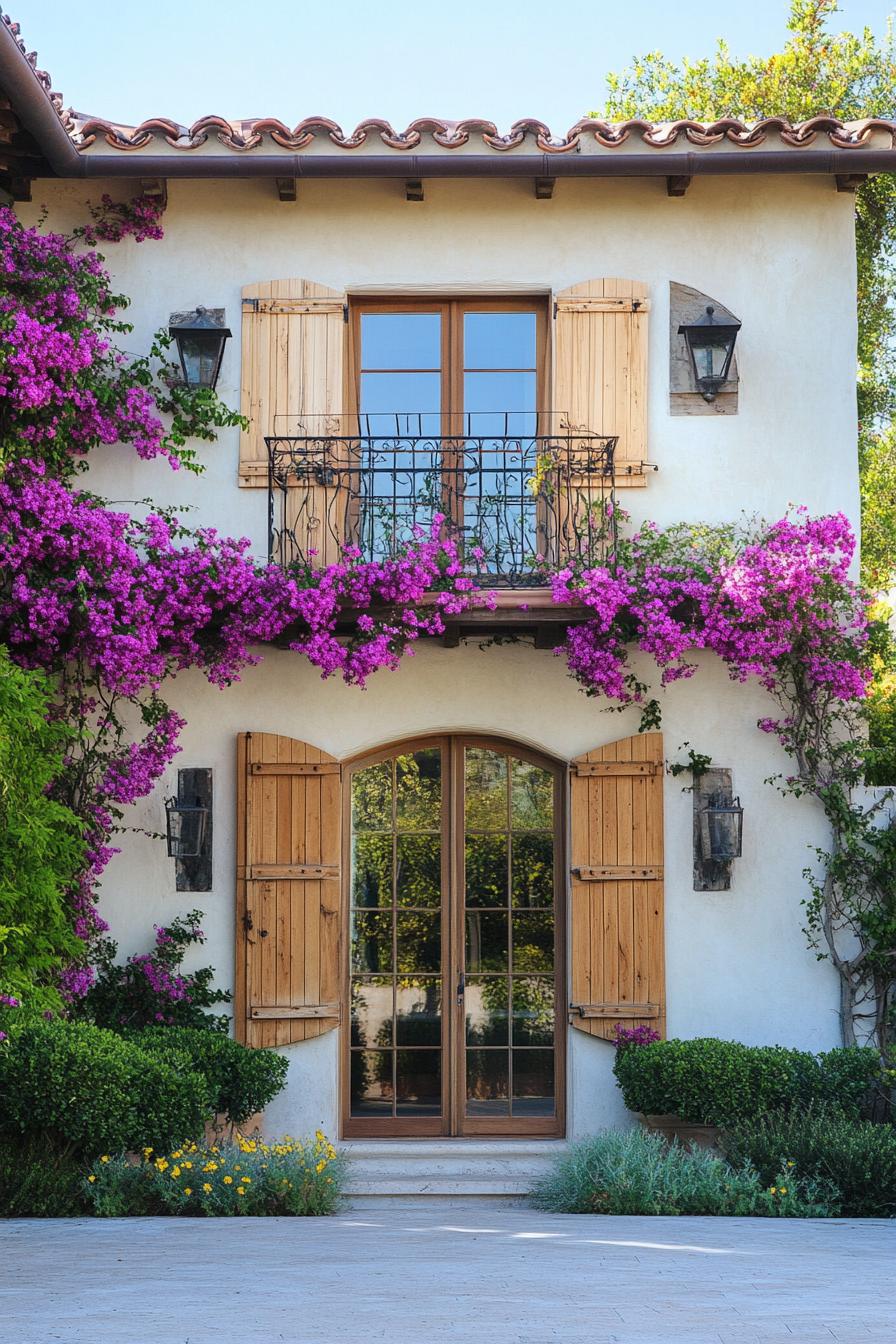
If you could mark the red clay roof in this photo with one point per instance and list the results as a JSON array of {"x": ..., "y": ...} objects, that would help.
[
  {"x": 74, "y": 142},
  {"x": 250, "y": 134}
]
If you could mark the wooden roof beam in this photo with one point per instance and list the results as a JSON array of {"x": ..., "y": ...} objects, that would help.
[
  {"x": 849, "y": 181},
  {"x": 287, "y": 188},
  {"x": 677, "y": 184}
]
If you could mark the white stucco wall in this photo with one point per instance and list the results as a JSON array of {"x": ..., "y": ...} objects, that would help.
[{"x": 778, "y": 253}]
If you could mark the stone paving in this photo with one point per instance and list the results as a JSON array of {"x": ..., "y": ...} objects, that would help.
[{"x": 477, "y": 1274}]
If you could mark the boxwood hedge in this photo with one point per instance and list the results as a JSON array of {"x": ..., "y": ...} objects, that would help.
[{"x": 714, "y": 1082}]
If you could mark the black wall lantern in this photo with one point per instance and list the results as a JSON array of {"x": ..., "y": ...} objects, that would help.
[
  {"x": 186, "y": 824},
  {"x": 722, "y": 829},
  {"x": 200, "y": 337},
  {"x": 711, "y": 347}
]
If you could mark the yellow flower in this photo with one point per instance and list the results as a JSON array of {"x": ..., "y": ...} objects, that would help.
[
  {"x": 247, "y": 1180},
  {"x": 791, "y": 1164},
  {"x": 773, "y": 1189},
  {"x": 147, "y": 1152},
  {"x": 91, "y": 1179},
  {"x": 320, "y": 1166},
  {"x": 161, "y": 1164},
  {"x": 106, "y": 1158},
  {"x": 240, "y": 1190},
  {"x": 179, "y": 1153},
  {"x": 228, "y": 1180},
  {"x": 210, "y": 1166},
  {"x": 188, "y": 1165},
  {"x": 187, "y": 1190},
  {"x": 175, "y": 1172},
  {"x": 783, "y": 1189},
  {"x": 207, "y": 1188}
]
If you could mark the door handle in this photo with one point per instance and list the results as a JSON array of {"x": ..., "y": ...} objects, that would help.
[{"x": 461, "y": 986}]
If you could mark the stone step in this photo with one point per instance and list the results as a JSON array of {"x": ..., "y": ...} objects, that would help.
[
  {"x": 446, "y": 1170},
  {"x": 436, "y": 1185}
]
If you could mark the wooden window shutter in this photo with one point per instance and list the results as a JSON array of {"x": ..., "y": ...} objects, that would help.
[
  {"x": 288, "y": 890},
  {"x": 616, "y": 851},
  {"x": 600, "y": 366},
  {"x": 293, "y": 369}
]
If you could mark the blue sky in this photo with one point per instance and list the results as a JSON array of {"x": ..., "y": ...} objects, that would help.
[{"x": 454, "y": 58}]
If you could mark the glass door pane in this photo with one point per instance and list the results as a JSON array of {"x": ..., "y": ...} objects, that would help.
[
  {"x": 509, "y": 933},
  {"x": 500, "y": 389},
  {"x": 396, "y": 938},
  {"x": 400, "y": 405}
]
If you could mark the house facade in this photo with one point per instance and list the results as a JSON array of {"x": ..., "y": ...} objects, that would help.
[{"x": 438, "y": 895}]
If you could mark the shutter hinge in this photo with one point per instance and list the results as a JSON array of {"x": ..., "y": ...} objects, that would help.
[
  {"x": 636, "y": 304},
  {"x": 556, "y": 310},
  {"x": 251, "y": 305},
  {"x": 345, "y": 313}
]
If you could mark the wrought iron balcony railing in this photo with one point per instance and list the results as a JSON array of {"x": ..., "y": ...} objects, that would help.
[{"x": 514, "y": 501}]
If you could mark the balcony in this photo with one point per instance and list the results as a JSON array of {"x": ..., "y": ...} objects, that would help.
[{"x": 518, "y": 504}]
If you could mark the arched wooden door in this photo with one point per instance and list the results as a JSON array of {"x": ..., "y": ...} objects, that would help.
[
  {"x": 416, "y": 897},
  {"x": 456, "y": 968}
]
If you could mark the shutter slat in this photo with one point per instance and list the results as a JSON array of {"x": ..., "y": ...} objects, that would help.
[
  {"x": 617, "y": 932},
  {"x": 600, "y": 366},
  {"x": 288, "y": 894}
]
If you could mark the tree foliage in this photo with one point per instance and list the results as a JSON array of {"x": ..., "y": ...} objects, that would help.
[
  {"x": 40, "y": 843},
  {"x": 819, "y": 71}
]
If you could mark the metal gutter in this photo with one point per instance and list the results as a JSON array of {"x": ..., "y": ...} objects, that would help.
[{"x": 611, "y": 163}]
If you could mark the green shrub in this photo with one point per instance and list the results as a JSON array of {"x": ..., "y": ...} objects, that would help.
[
  {"x": 247, "y": 1178},
  {"x": 856, "y": 1157},
  {"x": 242, "y": 1081},
  {"x": 37, "y": 1181},
  {"x": 852, "y": 1080},
  {"x": 713, "y": 1082},
  {"x": 633, "y": 1172},
  {"x": 92, "y": 1091}
]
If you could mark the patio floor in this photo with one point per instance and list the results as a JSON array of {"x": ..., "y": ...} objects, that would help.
[{"x": 483, "y": 1274}]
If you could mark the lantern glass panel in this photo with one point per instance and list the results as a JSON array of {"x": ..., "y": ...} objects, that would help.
[
  {"x": 711, "y": 358},
  {"x": 725, "y": 825},
  {"x": 186, "y": 829},
  {"x": 200, "y": 356}
]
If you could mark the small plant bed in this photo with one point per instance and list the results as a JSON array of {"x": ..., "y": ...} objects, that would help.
[
  {"x": 856, "y": 1158},
  {"x": 246, "y": 1177},
  {"x": 72, "y": 1093},
  {"x": 636, "y": 1173}
]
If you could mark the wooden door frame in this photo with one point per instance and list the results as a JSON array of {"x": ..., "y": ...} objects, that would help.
[{"x": 453, "y": 1123}]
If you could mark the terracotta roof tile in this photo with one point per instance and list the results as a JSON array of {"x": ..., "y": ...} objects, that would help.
[{"x": 244, "y": 136}]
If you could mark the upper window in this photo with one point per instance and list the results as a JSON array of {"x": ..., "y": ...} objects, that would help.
[
  {"x": 448, "y": 399},
  {"x": 461, "y": 367}
]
